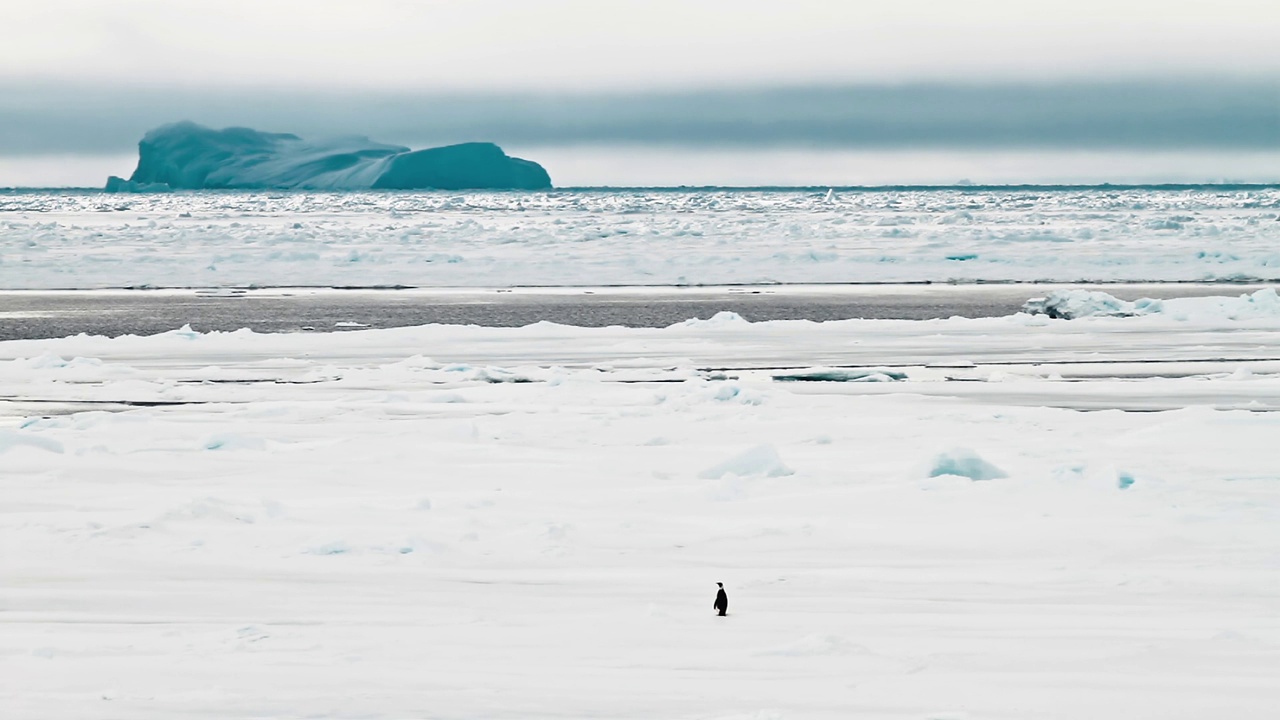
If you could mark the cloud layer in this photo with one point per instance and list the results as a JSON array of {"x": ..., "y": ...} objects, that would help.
[{"x": 1153, "y": 115}]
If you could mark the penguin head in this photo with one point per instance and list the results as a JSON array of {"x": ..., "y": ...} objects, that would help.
[{"x": 720, "y": 584}]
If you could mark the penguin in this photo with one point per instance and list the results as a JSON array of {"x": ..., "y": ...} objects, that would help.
[{"x": 722, "y": 601}]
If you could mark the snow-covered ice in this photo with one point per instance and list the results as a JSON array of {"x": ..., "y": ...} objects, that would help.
[
  {"x": 457, "y": 522},
  {"x": 963, "y": 462},
  {"x": 636, "y": 237},
  {"x": 1077, "y": 303}
]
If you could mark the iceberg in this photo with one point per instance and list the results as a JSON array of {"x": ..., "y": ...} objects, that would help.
[{"x": 188, "y": 156}]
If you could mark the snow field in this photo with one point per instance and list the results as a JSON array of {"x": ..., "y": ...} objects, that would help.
[{"x": 467, "y": 522}]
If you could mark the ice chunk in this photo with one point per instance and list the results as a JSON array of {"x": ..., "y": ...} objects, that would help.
[
  {"x": 959, "y": 217},
  {"x": 724, "y": 318},
  {"x": 733, "y": 392},
  {"x": 1070, "y": 304},
  {"x": 1262, "y": 303},
  {"x": 185, "y": 155},
  {"x": 759, "y": 461},
  {"x": 336, "y": 547},
  {"x": 185, "y": 332},
  {"x": 964, "y": 462}
]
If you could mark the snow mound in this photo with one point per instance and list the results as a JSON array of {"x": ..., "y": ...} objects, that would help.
[
  {"x": 1264, "y": 303},
  {"x": 10, "y": 439},
  {"x": 211, "y": 510},
  {"x": 186, "y": 332},
  {"x": 1072, "y": 304},
  {"x": 234, "y": 441},
  {"x": 730, "y": 392},
  {"x": 188, "y": 156},
  {"x": 963, "y": 462},
  {"x": 336, "y": 547},
  {"x": 759, "y": 461},
  {"x": 724, "y": 318},
  {"x": 52, "y": 361}
]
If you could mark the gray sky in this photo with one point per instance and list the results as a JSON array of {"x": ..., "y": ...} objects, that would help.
[
  {"x": 89, "y": 78},
  {"x": 480, "y": 45},
  {"x": 1151, "y": 114}
]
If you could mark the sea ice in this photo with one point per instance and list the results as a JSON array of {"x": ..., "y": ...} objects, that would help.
[
  {"x": 631, "y": 237},
  {"x": 565, "y": 563}
]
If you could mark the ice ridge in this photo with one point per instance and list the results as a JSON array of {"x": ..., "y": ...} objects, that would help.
[{"x": 188, "y": 156}]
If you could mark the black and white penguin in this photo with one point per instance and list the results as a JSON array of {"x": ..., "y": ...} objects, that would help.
[{"x": 722, "y": 601}]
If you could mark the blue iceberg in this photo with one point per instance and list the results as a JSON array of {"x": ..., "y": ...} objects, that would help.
[{"x": 188, "y": 156}]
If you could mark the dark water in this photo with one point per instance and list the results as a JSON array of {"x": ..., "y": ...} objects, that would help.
[{"x": 39, "y": 314}]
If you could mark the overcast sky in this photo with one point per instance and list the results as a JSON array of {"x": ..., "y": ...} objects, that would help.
[
  {"x": 480, "y": 45},
  {"x": 90, "y": 77}
]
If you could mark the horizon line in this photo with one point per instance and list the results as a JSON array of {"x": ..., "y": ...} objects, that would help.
[{"x": 905, "y": 187}]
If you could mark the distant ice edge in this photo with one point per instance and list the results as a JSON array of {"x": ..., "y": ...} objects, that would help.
[{"x": 188, "y": 156}]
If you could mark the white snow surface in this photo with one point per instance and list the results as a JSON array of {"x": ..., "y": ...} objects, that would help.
[
  {"x": 635, "y": 237},
  {"x": 467, "y": 522}
]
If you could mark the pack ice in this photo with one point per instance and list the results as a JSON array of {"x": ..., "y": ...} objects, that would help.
[
  {"x": 1079, "y": 522},
  {"x": 188, "y": 156}
]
